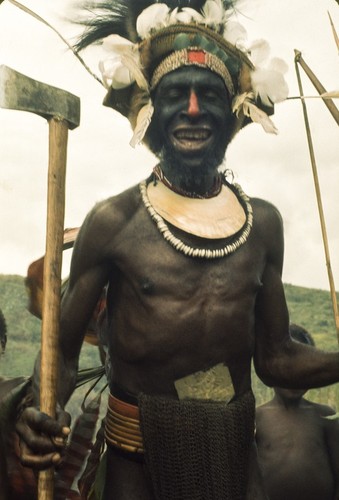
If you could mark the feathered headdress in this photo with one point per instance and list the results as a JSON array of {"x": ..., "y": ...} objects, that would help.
[{"x": 144, "y": 40}]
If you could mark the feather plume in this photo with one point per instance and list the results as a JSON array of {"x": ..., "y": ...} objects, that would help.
[
  {"x": 152, "y": 18},
  {"x": 269, "y": 85},
  {"x": 123, "y": 67},
  {"x": 259, "y": 51},
  {"x": 143, "y": 120},
  {"x": 115, "y": 74},
  {"x": 108, "y": 17},
  {"x": 131, "y": 61},
  {"x": 268, "y": 80},
  {"x": 180, "y": 4},
  {"x": 104, "y": 18},
  {"x": 116, "y": 43},
  {"x": 214, "y": 12},
  {"x": 259, "y": 116},
  {"x": 197, "y": 5},
  {"x": 235, "y": 34},
  {"x": 238, "y": 102},
  {"x": 279, "y": 65},
  {"x": 333, "y": 94},
  {"x": 188, "y": 15},
  {"x": 172, "y": 16},
  {"x": 244, "y": 104}
]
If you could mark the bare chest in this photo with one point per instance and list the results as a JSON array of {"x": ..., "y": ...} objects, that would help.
[
  {"x": 295, "y": 433},
  {"x": 165, "y": 305}
]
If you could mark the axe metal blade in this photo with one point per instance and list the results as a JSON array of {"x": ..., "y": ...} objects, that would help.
[{"x": 19, "y": 92}]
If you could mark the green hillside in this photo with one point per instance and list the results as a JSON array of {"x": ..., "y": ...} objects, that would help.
[
  {"x": 310, "y": 308},
  {"x": 23, "y": 331},
  {"x": 313, "y": 310}
]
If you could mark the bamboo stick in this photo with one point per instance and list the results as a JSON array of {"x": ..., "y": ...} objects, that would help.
[
  {"x": 319, "y": 87},
  {"x": 319, "y": 200}
]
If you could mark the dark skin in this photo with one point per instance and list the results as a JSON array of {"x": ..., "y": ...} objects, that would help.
[
  {"x": 169, "y": 315},
  {"x": 298, "y": 447}
]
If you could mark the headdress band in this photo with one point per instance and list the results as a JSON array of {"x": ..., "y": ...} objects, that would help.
[{"x": 193, "y": 56}]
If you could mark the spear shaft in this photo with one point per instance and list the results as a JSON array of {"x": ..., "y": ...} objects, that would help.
[
  {"x": 336, "y": 38},
  {"x": 319, "y": 87},
  {"x": 319, "y": 200}
]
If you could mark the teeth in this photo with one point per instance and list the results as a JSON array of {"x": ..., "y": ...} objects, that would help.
[{"x": 193, "y": 135}]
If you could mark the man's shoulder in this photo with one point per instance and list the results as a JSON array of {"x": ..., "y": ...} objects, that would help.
[
  {"x": 109, "y": 216},
  {"x": 119, "y": 205},
  {"x": 264, "y": 206},
  {"x": 266, "y": 215},
  {"x": 129, "y": 198}
]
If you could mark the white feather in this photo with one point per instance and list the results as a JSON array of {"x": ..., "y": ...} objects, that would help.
[
  {"x": 115, "y": 74},
  {"x": 188, "y": 15},
  {"x": 235, "y": 34},
  {"x": 259, "y": 116},
  {"x": 243, "y": 103},
  {"x": 238, "y": 102},
  {"x": 268, "y": 80},
  {"x": 172, "y": 16},
  {"x": 333, "y": 94},
  {"x": 269, "y": 85},
  {"x": 213, "y": 12},
  {"x": 279, "y": 65},
  {"x": 116, "y": 43},
  {"x": 132, "y": 62},
  {"x": 260, "y": 51},
  {"x": 153, "y": 17},
  {"x": 143, "y": 120},
  {"x": 123, "y": 67}
]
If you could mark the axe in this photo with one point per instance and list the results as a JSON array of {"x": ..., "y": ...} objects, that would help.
[{"x": 62, "y": 111}]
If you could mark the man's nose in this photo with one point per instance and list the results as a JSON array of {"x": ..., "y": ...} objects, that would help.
[{"x": 193, "y": 109}]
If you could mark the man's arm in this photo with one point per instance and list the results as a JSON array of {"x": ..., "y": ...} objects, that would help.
[
  {"x": 42, "y": 437},
  {"x": 278, "y": 360},
  {"x": 88, "y": 276}
]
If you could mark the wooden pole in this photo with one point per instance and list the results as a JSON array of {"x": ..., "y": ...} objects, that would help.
[
  {"x": 336, "y": 39},
  {"x": 319, "y": 200},
  {"x": 58, "y": 136},
  {"x": 318, "y": 86}
]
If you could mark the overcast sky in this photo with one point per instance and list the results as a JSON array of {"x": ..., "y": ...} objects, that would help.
[{"x": 101, "y": 163}]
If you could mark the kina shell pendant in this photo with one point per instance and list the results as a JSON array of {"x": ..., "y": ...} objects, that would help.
[{"x": 238, "y": 220}]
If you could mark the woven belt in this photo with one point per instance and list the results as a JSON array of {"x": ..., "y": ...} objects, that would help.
[{"x": 122, "y": 428}]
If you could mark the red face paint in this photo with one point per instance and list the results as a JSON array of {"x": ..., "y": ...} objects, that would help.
[{"x": 193, "y": 105}]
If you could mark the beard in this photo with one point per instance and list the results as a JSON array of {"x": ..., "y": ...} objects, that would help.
[
  {"x": 178, "y": 170},
  {"x": 177, "y": 167}
]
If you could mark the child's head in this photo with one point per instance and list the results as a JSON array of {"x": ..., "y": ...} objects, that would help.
[{"x": 302, "y": 336}]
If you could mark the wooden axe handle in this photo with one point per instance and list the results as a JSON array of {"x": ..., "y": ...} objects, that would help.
[{"x": 58, "y": 136}]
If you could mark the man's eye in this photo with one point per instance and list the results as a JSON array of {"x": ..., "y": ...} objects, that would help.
[
  {"x": 173, "y": 94},
  {"x": 210, "y": 95}
]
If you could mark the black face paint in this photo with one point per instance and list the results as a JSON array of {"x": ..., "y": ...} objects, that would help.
[{"x": 191, "y": 144}]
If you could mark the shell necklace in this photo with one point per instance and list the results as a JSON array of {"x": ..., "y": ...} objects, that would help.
[{"x": 240, "y": 235}]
